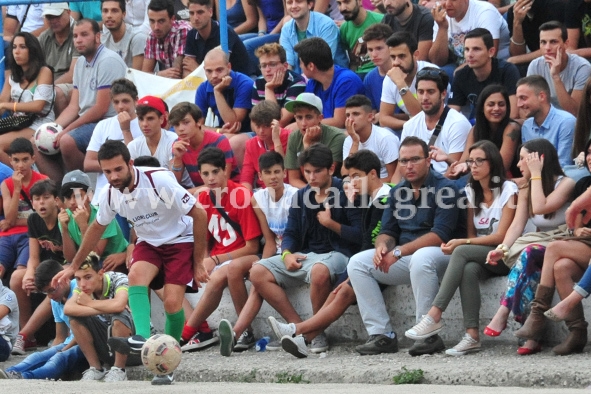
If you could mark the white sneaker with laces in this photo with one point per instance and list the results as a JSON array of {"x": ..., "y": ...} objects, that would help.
[
  {"x": 466, "y": 345},
  {"x": 281, "y": 329},
  {"x": 19, "y": 346},
  {"x": 115, "y": 375},
  {"x": 424, "y": 329},
  {"x": 295, "y": 345},
  {"x": 93, "y": 374},
  {"x": 319, "y": 344}
]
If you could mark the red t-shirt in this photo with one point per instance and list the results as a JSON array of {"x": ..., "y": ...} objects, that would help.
[
  {"x": 24, "y": 209},
  {"x": 236, "y": 203},
  {"x": 254, "y": 149}
]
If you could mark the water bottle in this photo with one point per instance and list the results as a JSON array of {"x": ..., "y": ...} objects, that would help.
[{"x": 261, "y": 344}]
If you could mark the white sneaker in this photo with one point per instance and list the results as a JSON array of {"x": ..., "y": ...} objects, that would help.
[
  {"x": 93, "y": 374},
  {"x": 295, "y": 345},
  {"x": 281, "y": 329},
  {"x": 466, "y": 345},
  {"x": 115, "y": 375},
  {"x": 319, "y": 344},
  {"x": 424, "y": 329}
]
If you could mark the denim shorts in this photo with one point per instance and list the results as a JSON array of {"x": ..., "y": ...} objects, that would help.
[
  {"x": 14, "y": 251},
  {"x": 81, "y": 135}
]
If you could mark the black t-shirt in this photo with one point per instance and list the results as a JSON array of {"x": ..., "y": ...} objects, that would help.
[
  {"x": 420, "y": 24},
  {"x": 542, "y": 11},
  {"x": 466, "y": 88},
  {"x": 317, "y": 236},
  {"x": 578, "y": 16},
  {"x": 181, "y": 12},
  {"x": 47, "y": 239},
  {"x": 581, "y": 187},
  {"x": 198, "y": 48}
]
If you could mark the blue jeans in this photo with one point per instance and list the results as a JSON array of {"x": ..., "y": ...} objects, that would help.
[
  {"x": 4, "y": 349},
  {"x": 50, "y": 363},
  {"x": 252, "y": 41},
  {"x": 584, "y": 285}
]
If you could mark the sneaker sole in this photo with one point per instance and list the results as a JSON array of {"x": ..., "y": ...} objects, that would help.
[
  {"x": 226, "y": 338},
  {"x": 119, "y": 346},
  {"x": 452, "y": 352},
  {"x": 410, "y": 335},
  {"x": 317, "y": 350},
  {"x": 292, "y": 348},
  {"x": 431, "y": 351},
  {"x": 18, "y": 352},
  {"x": 375, "y": 352},
  {"x": 162, "y": 382},
  {"x": 3, "y": 375},
  {"x": 201, "y": 345},
  {"x": 275, "y": 328}
]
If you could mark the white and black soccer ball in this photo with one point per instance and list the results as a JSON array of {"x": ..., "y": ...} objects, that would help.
[
  {"x": 45, "y": 138},
  {"x": 161, "y": 354}
]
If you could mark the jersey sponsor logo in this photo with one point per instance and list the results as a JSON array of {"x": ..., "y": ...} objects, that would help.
[
  {"x": 144, "y": 217},
  {"x": 185, "y": 198}
]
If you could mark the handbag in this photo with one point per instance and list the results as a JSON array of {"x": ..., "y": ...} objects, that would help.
[
  {"x": 539, "y": 238},
  {"x": 19, "y": 122}
]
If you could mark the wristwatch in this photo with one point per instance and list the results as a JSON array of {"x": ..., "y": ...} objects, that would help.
[
  {"x": 397, "y": 253},
  {"x": 404, "y": 90}
]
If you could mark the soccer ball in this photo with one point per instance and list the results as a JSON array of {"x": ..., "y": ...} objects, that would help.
[
  {"x": 45, "y": 138},
  {"x": 161, "y": 354}
]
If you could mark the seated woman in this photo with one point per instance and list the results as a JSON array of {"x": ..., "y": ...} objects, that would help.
[
  {"x": 494, "y": 124},
  {"x": 542, "y": 200},
  {"x": 491, "y": 211},
  {"x": 582, "y": 134},
  {"x": 242, "y": 15},
  {"x": 28, "y": 89},
  {"x": 564, "y": 263}
]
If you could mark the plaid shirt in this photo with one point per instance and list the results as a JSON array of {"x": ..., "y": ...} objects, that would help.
[{"x": 172, "y": 46}]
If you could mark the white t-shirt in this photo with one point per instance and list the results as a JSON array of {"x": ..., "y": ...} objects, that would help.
[
  {"x": 487, "y": 221},
  {"x": 108, "y": 129},
  {"x": 34, "y": 18},
  {"x": 132, "y": 44},
  {"x": 382, "y": 142},
  {"x": 452, "y": 138},
  {"x": 139, "y": 147},
  {"x": 479, "y": 14},
  {"x": 276, "y": 212},
  {"x": 543, "y": 224},
  {"x": 158, "y": 218},
  {"x": 390, "y": 93}
]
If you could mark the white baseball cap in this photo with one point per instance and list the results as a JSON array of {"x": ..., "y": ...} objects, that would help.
[{"x": 55, "y": 9}]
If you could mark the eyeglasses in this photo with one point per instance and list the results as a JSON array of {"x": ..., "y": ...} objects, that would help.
[
  {"x": 430, "y": 72},
  {"x": 262, "y": 66},
  {"x": 412, "y": 160},
  {"x": 478, "y": 162}
]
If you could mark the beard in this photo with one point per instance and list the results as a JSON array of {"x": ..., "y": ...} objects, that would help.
[
  {"x": 434, "y": 108},
  {"x": 353, "y": 15}
]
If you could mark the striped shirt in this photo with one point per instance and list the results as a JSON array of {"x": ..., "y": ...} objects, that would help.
[{"x": 293, "y": 85}]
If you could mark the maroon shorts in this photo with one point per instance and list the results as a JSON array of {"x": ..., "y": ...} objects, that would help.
[{"x": 175, "y": 262}]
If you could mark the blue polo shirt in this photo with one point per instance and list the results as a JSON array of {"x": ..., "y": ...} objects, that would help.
[
  {"x": 345, "y": 83},
  {"x": 407, "y": 219},
  {"x": 558, "y": 128},
  {"x": 238, "y": 95},
  {"x": 372, "y": 83}
]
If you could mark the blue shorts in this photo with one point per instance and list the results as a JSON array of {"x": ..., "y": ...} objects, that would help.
[
  {"x": 81, "y": 135},
  {"x": 14, "y": 251}
]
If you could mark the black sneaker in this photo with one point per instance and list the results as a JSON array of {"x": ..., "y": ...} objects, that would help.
[
  {"x": 433, "y": 344},
  {"x": 163, "y": 380},
  {"x": 200, "y": 341},
  {"x": 127, "y": 346},
  {"x": 377, "y": 344},
  {"x": 245, "y": 342}
]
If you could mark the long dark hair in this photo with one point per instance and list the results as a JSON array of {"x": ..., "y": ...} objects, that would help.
[
  {"x": 583, "y": 125},
  {"x": 36, "y": 59},
  {"x": 550, "y": 170},
  {"x": 482, "y": 130},
  {"x": 497, "y": 173}
]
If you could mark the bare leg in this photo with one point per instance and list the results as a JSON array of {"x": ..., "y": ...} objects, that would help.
[
  {"x": 238, "y": 145},
  {"x": 86, "y": 343},
  {"x": 563, "y": 308},
  {"x": 74, "y": 159},
  {"x": 23, "y": 299},
  {"x": 61, "y": 101},
  {"x": 39, "y": 317},
  {"x": 435, "y": 313},
  {"x": 565, "y": 273},
  {"x": 264, "y": 281},
  {"x": 120, "y": 330},
  {"x": 211, "y": 297},
  {"x": 557, "y": 250},
  {"x": 249, "y": 312},
  {"x": 320, "y": 286},
  {"x": 499, "y": 320},
  {"x": 237, "y": 270},
  {"x": 52, "y": 166}
]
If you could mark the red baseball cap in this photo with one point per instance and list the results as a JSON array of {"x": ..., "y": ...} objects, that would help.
[{"x": 155, "y": 103}]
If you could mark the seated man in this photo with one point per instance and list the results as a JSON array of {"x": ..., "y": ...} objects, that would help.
[
  {"x": 566, "y": 73},
  {"x": 227, "y": 94},
  {"x": 307, "y": 110},
  {"x": 277, "y": 82},
  {"x": 95, "y": 71},
  {"x": 187, "y": 120},
  {"x": 319, "y": 238},
  {"x": 98, "y": 310},
  {"x": 413, "y": 18},
  {"x": 64, "y": 355},
  {"x": 264, "y": 119},
  {"x": 332, "y": 83},
  {"x": 234, "y": 232},
  {"x": 543, "y": 120},
  {"x": 375, "y": 38},
  {"x": 364, "y": 173},
  {"x": 8, "y": 322},
  {"x": 363, "y": 134},
  {"x": 120, "y": 37},
  {"x": 165, "y": 45},
  {"x": 407, "y": 251}
]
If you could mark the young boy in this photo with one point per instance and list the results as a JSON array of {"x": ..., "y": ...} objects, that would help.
[
  {"x": 264, "y": 119},
  {"x": 64, "y": 356},
  {"x": 16, "y": 201},
  {"x": 45, "y": 242},
  {"x": 271, "y": 206},
  {"x": 98, "y": 310},
  {"x": 187, "y": 120},
  {"x": 8, "y": 322},
  {"x": 234, "y": 232},
  {"x": 78, "y": 214}
]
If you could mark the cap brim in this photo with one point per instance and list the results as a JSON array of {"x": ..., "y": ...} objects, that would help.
[{"x": 52, "y": 12}]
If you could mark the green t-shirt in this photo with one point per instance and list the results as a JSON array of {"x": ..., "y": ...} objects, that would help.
[
  {"x": 301, "y": 34},
  {"x": 331, "y": 136},
  {"x": 116, "y": 242},
  {"x": 350, "y": 34}
]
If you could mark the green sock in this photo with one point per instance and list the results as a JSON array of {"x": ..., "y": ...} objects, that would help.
[
  {"x": 140, "y": 309},
  {"x": 174, "y": 324}
]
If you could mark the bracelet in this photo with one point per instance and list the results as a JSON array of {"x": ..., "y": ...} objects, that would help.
[
  {"x": 505, "y": 250},
  {"x": 216, "y": 260},
  {"x": 176, "y": 168},
  {"x": 517, "y": 43},
  {"x": 262, "y": 33},
  {"x": 284, "y": 254},
  {"x": 14, "y": 107},
  {"x": 535, "y": 178}
]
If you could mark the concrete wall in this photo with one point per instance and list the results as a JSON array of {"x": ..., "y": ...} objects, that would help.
[{"x": 400, "y": 301}]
